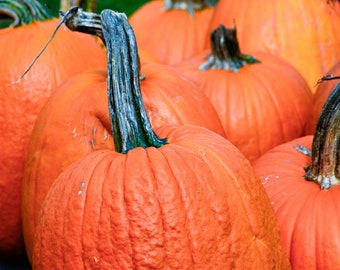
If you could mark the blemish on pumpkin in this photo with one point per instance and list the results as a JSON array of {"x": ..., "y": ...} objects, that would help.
[
  {"x": 266, "y": 179},
  {"x": 105, "y": 135},
  {"x": 202, "y": 153},
  {"x": 95, "y": 259},
  {"x": 81, "y": 186},
  {"x": 74, "y": 132},
  {"x": 91, "y": 142}
]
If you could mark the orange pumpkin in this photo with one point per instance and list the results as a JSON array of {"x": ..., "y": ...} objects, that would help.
[
  {"x": 172, "y": 30},
  {"x": 306, "y": 33},
  {"x": 78, "y": 112},
  {"x": 20, "y": 102},
  {"x": 185, "y": 200},
  {"x": 304, "y": 190},
  {"x": 262, "y": 101}
]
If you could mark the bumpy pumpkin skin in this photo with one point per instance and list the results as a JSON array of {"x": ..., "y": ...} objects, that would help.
[
  {"x": 260, "y": 106},
  {"x": 194, "y": 203},
  {"x": 306, "y": 214},
  {"x": 305, "y": 33},
  {"x": 21, "y": 102},
  {"x": 323, "y": 90},
  {"x": 170, "y": 35},
  {"x": 75, "y": 122}
]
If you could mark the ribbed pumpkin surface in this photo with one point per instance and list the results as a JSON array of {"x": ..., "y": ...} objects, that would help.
[{"x": 191, "y": 204}]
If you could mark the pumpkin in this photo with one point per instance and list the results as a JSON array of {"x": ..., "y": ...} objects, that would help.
[
  {"x": 20, "y": 101},
  {"x": 305, "y": 33},
  {"x": 73, "y": 123},
  {"x": 324, "y": 88},
  {"x": 262, "y": 100},
  {"x": 183, "y": 199},
  {"x": 172, "y": 30},
  {"x": 303, "y": 187}
]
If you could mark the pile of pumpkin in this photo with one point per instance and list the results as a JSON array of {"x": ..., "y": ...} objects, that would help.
[{"x": 202, "y": 148}]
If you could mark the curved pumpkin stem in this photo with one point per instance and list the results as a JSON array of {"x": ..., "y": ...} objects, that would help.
[
  {"x": 23, "y": 11},
  {"x": 189, "y": 5},
  {"x": 325, "y": 165},
  {"x": 225, "y": 51},
  {"x": 130, "y": 124}
]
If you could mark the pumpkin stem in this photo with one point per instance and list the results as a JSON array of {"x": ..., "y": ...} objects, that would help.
[
  {"x": 189, "y": 5},
  {"x": 23, "y": 11},
  {"x": 325, "y": 165},
  {"x": 225, "y": 51},
  {"x": 130, "y": 124}
]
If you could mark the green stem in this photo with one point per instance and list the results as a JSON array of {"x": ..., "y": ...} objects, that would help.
[
  {"x": 130, "y": 124},
  {"x": 23, "y": 11},
  {"x": 225, "y": 51},
  {"x": 325, "y": 165},
  {"x": 189, "y": 5}
]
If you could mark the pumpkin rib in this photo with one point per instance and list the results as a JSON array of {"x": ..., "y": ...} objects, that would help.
[
  {"x": 165, "y": 153},
  {"x": 88, "y": 184},
  {"x": 261, "y": 78},
  {"x": 162, "y": 200},
  {"x": 236, "y": 186}
]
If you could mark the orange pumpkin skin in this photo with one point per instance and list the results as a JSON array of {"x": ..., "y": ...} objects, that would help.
[
  {"x": 260, "y": 106},
  {"x": 305, "y": 33},
  {"x": 321, "y": 94},
  {"x": 21, "y": 102},
  {"x": 305, "y": 213},
  {"x": 170, "y": 35},
  {"x": 193, "y": 203},
  {"x": 75, "y": 122}
]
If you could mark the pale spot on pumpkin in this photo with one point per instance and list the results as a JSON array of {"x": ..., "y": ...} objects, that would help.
[
  {"x": 266, "y": 179},
  {"x": 202, "y": 153},
  {"x": 95, "y": 260},
  {"x": 81, "y": 186},
  {"x": 74, "y": 132},
  {"x": 106, "y": 135}
]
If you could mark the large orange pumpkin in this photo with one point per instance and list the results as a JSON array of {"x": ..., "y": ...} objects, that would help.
[
  {"x": 262, "y": 101},
  {"x": 74, "y": 122},
  {"x": 304, "y": 190},
  {"x": 20, "y": 102},
  {"x": 172, "y": 30},
  {"x": 306, "y": 33},
  {"x": 183, "y": 199}
]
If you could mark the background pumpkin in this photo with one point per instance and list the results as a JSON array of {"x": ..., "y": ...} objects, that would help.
[
  {"x": 307, "y": 211},
  {"x": 74, "y": 122},
  {"x": 287, "y": 29},
  {"x": 262, "y": 101},
  {"x": 20, "y": 102},
  {"x": 190, "y": 201},
  {"x": 172, "y": 30}
]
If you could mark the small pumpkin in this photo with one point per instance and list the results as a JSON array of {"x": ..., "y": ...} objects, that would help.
[
  {"x": 305, "y": 33},
  {"x": 172, "y": 30},
  {"x": 74, "y": 122},
  {"x": 262, "y": 100},
  {"x": 325, "y": 86},
  {"x": 303, "y": 187},
  {"x": 20, "y": 102},
  {"x": 183, "y": 199}
]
